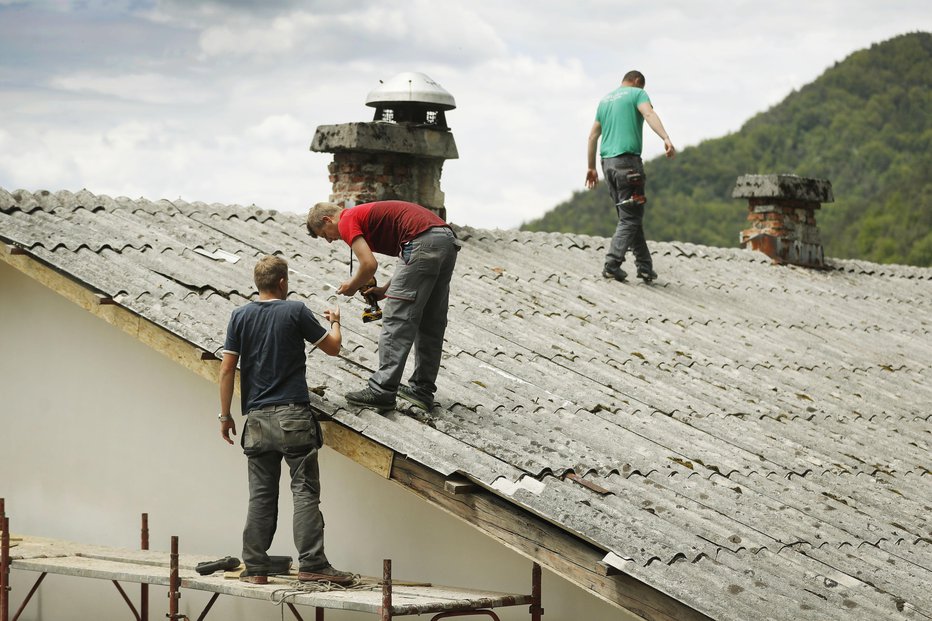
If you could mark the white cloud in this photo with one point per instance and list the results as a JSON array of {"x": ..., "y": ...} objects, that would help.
[
  {"x": 520, "y": 127},
  {"x": 36, "y": 162},
  {"x": 280, "y": 128},
  {"x": 245, "y": 37},
  {"x": 132, "y": 137},
  {"x": 150, "y": 88},
  {"x": 413, "y": 30}
]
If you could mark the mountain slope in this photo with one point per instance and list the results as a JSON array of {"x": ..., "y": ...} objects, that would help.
[{"x": 864, "y": 124}]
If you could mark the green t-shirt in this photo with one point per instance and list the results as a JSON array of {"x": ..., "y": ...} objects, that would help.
[{"x": 622, "y": 122}]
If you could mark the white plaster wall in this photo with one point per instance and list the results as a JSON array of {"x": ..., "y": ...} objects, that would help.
[{"x": 96, "y": 428}]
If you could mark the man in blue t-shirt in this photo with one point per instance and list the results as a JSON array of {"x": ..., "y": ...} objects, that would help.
[
  {"x": 267, "y": 338},
  {"x": 619, "y": 121}
]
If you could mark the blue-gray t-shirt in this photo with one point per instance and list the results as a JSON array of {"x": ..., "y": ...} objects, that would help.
[{"x": 268, "y": 336}]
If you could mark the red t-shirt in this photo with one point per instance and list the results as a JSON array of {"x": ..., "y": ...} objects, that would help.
[{"x": 386, "y": 225}]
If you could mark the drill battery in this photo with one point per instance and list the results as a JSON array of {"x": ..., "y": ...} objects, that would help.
[{"x": 371, "y": 313}]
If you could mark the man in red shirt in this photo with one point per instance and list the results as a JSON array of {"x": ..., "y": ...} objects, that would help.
[{"x": 415, "y": 313}]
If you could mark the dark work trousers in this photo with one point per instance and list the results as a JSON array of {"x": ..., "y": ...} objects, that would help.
[
  {"x": 273, "y": 433},
  {"x": 415, "y": 313},
  {"x": 629, "y": 233}
]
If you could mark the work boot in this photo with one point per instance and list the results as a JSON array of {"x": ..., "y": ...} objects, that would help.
[
  {"x": 616, "y": 273},
  {"x": 251, "y": 579},
  {"x": 647, "y": 274},
  {"x": 367, "y": 398},
  {"x": 417, "y": 399},
  {"x": 327, "y": 574}
]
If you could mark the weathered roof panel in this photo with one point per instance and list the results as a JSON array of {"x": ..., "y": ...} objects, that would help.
[{"x": 750, "y": 439}]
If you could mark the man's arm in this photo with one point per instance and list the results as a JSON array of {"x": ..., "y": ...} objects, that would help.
[
  {"x": 647, "y": 111},
  {"x": 332, "y": 343},
  {"x": 227, "y": 377},
  {"x": 365, "y": 271},
  {"x": 592, "y": 175}
]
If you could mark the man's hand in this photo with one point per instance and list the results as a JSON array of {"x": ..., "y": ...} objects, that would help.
[
  {"x": 332, "y": 315},
  {"x": 226, "y": 428},
  {"x": 347, "y": 289},
  {"x": 378, "y": 292},
  {"x": 592, "y": 178},
  {"x": 668, "y": 148}
]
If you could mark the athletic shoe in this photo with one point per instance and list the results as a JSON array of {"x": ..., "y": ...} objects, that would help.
[
  {"x": 417, "y": 399},
  {"x": 647, "y": 274},
  {"x": 366, "y": 398},
  {"x": 617, "y": 273}
]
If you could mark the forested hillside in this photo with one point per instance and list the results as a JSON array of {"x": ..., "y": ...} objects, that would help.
[{"x": 863, "y": 124}]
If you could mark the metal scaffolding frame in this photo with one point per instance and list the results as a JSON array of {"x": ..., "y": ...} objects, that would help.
[{"x": 386, "y": 611}]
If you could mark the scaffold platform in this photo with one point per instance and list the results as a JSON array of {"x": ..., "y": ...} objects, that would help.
[{"x": 383, "y": 596}]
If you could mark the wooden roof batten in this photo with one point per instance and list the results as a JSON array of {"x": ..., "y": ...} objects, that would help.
[{"x": 518, "y": 529}]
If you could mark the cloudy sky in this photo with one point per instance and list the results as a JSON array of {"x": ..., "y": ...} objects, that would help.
[{"x": 218, "y": 100}]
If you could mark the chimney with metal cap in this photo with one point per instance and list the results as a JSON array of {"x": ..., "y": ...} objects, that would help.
[
  {"x": 781, "y": 214},
  {"x": 398, "y": 155}
]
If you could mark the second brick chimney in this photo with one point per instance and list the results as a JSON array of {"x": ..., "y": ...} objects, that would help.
[{"x": 781, "y": 216}]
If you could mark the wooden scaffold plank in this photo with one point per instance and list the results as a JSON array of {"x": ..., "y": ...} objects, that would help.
[{"x": 387, "y": 598}]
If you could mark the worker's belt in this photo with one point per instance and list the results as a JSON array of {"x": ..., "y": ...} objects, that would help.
[
  {"x": 623, "y": 156},
  {"x": 434, "y": 228},
  {"x": 279, "y": 406}
]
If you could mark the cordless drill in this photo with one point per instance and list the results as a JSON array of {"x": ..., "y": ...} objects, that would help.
[
  {"x": 637, "y": 199},
  {"x": 372, "y": 312},
  {"x": 227, "y": 563}
]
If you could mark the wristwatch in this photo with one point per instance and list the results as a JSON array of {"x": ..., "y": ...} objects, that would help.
[{"x": 224, "y": 419}]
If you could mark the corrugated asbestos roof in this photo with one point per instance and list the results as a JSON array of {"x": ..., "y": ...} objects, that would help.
[{"x": 751, "y": 439}]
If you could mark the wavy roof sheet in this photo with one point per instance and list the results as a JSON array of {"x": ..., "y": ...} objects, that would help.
[{"x": 750, "y": 439}]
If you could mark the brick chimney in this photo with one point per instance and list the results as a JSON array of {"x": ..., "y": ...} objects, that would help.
[
  {"x": 397, "y": 156},
  {"x": 781, "y": 216}
]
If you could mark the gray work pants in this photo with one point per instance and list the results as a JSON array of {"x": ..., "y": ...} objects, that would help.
[
  {"x": 415, "y": 312},
  {"x": 629, "y": 233},
  {"x": 269, "y": 435}
]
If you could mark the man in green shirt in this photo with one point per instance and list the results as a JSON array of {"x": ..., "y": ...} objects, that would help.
[{"x": 619, "y": 122}]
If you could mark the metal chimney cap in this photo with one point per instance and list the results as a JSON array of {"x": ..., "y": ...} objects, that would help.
[{"x": 413, "y": 87}]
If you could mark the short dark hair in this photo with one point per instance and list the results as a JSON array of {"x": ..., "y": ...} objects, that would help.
[
  {"x": 269, "y": 271},
  {"x": 636, "y": 78}
]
